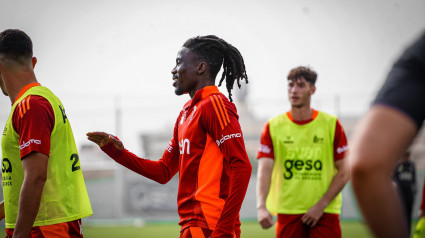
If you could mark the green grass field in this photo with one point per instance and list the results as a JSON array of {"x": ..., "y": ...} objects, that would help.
[{"x": 250, "y": 229}]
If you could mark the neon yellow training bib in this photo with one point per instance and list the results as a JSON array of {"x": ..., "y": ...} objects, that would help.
[
  {"x": 304, "y": 164},
  {"x": 64, "y": 196}
]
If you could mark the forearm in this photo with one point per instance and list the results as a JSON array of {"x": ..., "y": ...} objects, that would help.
[
  {"x": 29, "y": 202},
  {"x": 336, "y": 186},
  {"x": 265, "y": 167},
  {"x": 239, "y": 180},
  {"x": 263, "y": 187},
  {"x": 154, "y": 170}
]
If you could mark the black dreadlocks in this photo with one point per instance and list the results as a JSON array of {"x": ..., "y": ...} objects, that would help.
[{"x": 215, "y": 52}]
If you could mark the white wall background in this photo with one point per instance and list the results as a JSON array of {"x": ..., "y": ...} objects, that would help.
[{"x": 101, "y": 55}]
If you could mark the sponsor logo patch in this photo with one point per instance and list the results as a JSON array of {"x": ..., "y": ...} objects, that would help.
[
  {"x": 191, "y": 115},
  {"x": 182, "y": 117},
  {"x": 309, "y": 166},
  {"x": 6, "y": 166},
  {"x": 226, "y": 137},
  {"x": 265, "y": 149},
  {"x": 170, "y": 147},
  {"x": 340, "y": 150},
  {"x": 288, "y": 140},
  {"x": 28, "y": 143},
  {"x": 184, "y": 144},
  {"x": 317, "y": 139}
]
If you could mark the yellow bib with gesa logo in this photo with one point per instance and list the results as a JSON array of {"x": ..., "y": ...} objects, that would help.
[
  {"x": 64, "y": 196},
  {"x": 304, "y": 164}
]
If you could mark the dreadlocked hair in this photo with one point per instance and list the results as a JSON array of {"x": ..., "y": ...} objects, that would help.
[{"x": 216, "y": 52}]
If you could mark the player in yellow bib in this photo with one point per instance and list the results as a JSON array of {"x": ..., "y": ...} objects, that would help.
[
  {"x": 43, "y": 186},
  {"x": 301, "y": 166}
]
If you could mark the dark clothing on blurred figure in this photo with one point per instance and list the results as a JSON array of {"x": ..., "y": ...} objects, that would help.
[
  {"x": 404, "y": 91},
  {"x": 405, "y": 178},
  {"x": 405, "y": 86}
]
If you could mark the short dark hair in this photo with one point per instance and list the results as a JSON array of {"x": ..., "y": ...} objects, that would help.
[
  {"x": 216, "y": 52},
  {"x": 308, "y": 74},
  {"x": 15, "y": 44}
]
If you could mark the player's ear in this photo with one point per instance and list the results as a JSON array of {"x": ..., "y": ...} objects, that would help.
[
  {"x": 312, "y": 89},
  {"x": 34, "y": 61},
  {"x": 201, "y": 67}
]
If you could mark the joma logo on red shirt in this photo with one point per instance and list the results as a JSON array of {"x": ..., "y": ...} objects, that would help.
[
  {"x": 170, "y": 146},
  {"x": 184, "y": 143},
  {"x": 226, "y": 137},
  {"x": 26, "y": 144}
]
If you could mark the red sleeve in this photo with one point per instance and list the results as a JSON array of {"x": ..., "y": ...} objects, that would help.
[
  {"x": 266, "y": 144},
  {"x": 223, "y": 126},
  {"x": 160, "y": 171},
  {"x": 33, "y": 119},
  {"x": 340, "y": 142}
]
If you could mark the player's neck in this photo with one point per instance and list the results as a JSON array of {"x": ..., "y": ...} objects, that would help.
[
  {"x": 301, "y": 113},
  {"x": 17, "y": 82},
  {"x": 202, "y": 84}
]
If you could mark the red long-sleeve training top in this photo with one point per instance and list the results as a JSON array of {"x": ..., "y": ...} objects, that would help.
[{"x": 208, "y": 151}]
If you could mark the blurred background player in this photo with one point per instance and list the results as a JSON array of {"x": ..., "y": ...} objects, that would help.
[
  {"x": 301, "y": 166},
  {"x": 43, "y": 186},
  {"x": 420, "y": 226},
  {"x": 382, "y": 136},
  {"x": 405, "y": 181},
  {"x": 207, "y": 148}
]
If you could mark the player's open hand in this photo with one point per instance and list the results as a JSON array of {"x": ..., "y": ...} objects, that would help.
[
  {"x": 102, "y": 139},
  {"x": 264, "y": 218},
  {"x": 313, "y": 215}
]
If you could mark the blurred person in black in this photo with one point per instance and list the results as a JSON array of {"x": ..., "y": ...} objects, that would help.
[
  {"x": 405, "y": 180},
  {"x": 382, "y": 136}
]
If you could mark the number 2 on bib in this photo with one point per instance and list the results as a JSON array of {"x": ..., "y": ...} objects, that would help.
[{"x": 75, "y": 167}]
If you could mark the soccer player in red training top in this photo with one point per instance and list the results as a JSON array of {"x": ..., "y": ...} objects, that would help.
[
  {"x": 43, "y": 186},
  {"x": 301, "y": 166},
  {"x": 207, "y": 147}
]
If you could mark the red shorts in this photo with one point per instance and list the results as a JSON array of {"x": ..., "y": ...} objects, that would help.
[
  {"x": 328, "y": 226},
  {"x": 195, "y": 232},
  {"x": 70, "y": 229}
]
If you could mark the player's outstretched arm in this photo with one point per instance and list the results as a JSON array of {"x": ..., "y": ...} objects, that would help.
[
  {"x": 264, "y": 174},
  {"x": 338, "y": 182},
  {"x": 160, "y": 171},
  {"x": 380, "y": 138}
]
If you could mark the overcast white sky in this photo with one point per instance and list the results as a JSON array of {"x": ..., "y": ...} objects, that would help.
[{"x": 101, "y": 54}]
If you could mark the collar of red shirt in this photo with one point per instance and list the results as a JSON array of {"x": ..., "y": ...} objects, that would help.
[
  {"x": 201, "y": 94},
  {"x": 24, "y": 89}
]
